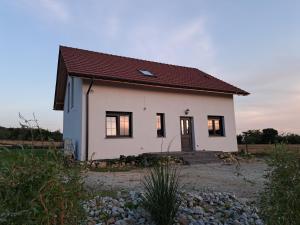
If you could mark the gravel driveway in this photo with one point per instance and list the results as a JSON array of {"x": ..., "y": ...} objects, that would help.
[{"x": 214, "y": 176}]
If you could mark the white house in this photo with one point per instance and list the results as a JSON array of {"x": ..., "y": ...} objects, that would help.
[{"x": 117, "y": 105}]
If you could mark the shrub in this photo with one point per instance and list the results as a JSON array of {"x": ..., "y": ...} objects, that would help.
[
  {"x": 280, "y": 200},
  {"x": 39, "y": 188},
  {"x": 161, "y": 197}
]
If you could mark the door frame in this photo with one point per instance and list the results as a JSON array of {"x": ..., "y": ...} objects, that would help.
[{"x": 191, "y": 130}]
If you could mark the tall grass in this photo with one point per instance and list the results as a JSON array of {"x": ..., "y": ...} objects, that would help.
[
  {"x": 161, "y": 197},
  {"x": 280, "y": 200},
  {"x": 39, "y": 188}
]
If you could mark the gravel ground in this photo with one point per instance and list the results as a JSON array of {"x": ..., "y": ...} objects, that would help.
[
  {"x": 214, "y": 208},
  {"x": 214, "y": 177}
]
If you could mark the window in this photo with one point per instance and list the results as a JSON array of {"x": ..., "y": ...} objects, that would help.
[
  {"x": 216, "y": 125},
  {"x": 118, "y": 124},
  {"x": 146, "y": 72},
  {"x": 72, "y": 92},
  {"x": 68, "y": 97},
  {"x": 160, "y": 124}
]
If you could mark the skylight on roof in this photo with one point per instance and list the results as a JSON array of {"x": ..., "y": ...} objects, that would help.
[{"x": 146, "y": 72}]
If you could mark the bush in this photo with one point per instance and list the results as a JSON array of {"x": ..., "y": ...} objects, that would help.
[
  {"x": 280, "y": 200},
  {"x": 39, "y": 188},
  {"x": 161, "y": 197}
]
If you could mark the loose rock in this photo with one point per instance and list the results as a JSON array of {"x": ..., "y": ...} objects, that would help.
[{"x": 199, "y": 208}]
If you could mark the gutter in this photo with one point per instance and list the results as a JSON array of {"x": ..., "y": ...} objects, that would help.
[{"x": 87, "y": 121}]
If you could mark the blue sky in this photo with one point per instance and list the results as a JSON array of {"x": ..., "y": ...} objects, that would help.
[{"x": 252, "y": 44}]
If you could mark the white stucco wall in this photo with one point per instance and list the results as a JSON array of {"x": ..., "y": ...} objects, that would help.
[
  {"x": 144, "y": 104},
  {"x": 72, "y": 122}
]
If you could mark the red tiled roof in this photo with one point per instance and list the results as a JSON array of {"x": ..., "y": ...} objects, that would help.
[{"x": 89, "y": 64}]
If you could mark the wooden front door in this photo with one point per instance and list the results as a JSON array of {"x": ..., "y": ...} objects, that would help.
[{"x": 186, "y": 131}]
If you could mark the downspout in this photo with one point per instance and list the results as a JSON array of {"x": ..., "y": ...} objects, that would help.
[{"x": 87, "y": 121}]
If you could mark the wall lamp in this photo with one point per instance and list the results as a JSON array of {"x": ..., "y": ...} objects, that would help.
[{"x": 186, "y": 112}]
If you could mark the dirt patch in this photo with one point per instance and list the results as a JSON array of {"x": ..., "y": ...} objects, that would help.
[{"x": 215, "y": 176}]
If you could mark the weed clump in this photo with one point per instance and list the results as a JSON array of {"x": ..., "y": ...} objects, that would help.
[
  {"x": 161, "y": 198},
  {"x": 39, "y": 188},
  {"x": 280, "y": 200}
]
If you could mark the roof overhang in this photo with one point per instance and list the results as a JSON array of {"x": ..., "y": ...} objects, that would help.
[{"x": 150, "y": 84}]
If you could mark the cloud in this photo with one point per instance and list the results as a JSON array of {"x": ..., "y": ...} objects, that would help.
[
  {"x": 187, "y": 44},
  {"x": 51, "y": 9},
  {"x": 275, "y": 98}
]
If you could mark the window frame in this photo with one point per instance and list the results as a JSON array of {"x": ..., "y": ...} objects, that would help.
[
  {"x": 221, "y": 125},
  {"x": 117, "y": 115},
  {"x": 162, "y": 125}
]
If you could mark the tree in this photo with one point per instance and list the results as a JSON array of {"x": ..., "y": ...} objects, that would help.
[
  {"x": 240, "y": 139},
  {"x": 252, "y": 137},
  {"x": 269, "y": 136}
]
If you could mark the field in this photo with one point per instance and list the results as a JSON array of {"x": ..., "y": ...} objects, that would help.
[
  {"x": 265, "y": 149},
  {"x": 35, "y": 144}
]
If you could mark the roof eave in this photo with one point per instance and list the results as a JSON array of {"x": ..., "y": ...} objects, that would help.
[
  {"x": 59, "y": 105},
  {"x": 88, "y": 76},
  {"x": 57, "y": 75}
]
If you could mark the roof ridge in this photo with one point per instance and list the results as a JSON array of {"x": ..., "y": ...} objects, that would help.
[{"x": 126, "y": 57}]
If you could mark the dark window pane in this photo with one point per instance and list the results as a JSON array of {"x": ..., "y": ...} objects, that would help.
[
  {"x": 160, "y": 125},
  {"x": 68, "y": 97},
  {"x": 72, "y": 92}
]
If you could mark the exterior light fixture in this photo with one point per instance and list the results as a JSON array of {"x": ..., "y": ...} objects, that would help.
[{"x": 186, "y": 112}]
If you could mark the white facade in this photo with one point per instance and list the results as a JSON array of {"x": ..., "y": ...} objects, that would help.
[
  {"x": 144, "y": 104},
  {"x": 72, "y": 124}
]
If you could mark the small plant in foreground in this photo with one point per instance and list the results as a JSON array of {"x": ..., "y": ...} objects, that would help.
[
  {"x": 280, "y": 200},
  {"x": 39, "y": 188},
  {"x": 161, "y": 197}
]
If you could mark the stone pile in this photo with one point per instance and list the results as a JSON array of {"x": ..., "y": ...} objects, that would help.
[{"x": 201, "y": 208}]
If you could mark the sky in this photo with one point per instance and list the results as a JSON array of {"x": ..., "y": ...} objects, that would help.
[{"x": 254, "y": 45}]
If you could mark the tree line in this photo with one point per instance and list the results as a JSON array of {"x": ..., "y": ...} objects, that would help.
[
  {"x": 29, "y": 134},
  {"x": 267, "y": 136}
]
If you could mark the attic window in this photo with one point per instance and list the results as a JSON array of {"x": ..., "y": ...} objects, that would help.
[{"x": 146, "y": 72}]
